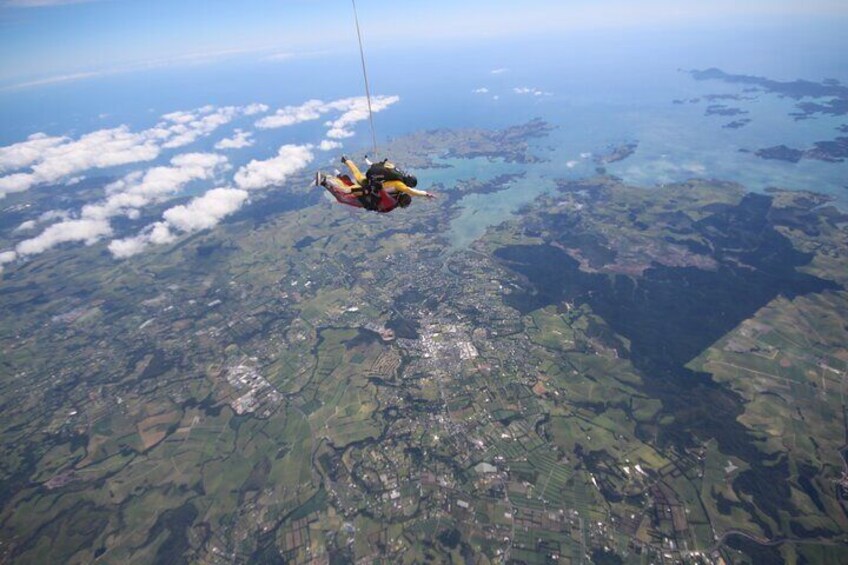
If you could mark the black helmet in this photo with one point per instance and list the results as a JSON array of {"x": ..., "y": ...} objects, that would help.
[
  {"x": 410, "y": 181},
  {"x": 404, "y": 200}
]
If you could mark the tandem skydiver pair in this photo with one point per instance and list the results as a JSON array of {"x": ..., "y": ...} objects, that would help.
[{"x": 382, "y": 188}]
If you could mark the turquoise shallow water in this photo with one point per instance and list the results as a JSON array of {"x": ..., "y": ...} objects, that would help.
[
  {"x": 676, "y": 142},
  {"x": 452, "y": 171},
  {"x": 479, "y": 211}
]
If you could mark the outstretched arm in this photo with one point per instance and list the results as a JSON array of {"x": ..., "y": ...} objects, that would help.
[{"x": 401, "y": 187}]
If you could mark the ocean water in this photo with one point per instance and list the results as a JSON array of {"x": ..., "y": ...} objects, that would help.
[{"x": 627, "y": 97}]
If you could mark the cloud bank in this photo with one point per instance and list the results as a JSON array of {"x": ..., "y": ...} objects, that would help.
[
  {"x": 202, "y": 213},
  {"x": 88, "y": 231},
  {"x": 239, "y": 140},
  {"x": 154, "y": 234},
  {"x": 206, "y": 211},
  {"x": 126, "y": 197},
  {"x": 353, "y": 110},
  {"x": 27, "y": 152},
  {"x": 262, "y": 174},
  {"x": 51, "y": 159},
  {"x": 209, "y": 209},
  {"x": 139, "y": 189},
  {"x": 44, "y": 159},
  {"x": 356, "y": 110}
]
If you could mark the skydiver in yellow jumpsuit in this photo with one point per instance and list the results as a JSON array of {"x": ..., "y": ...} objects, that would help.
[
  {"x": 382, "y": 189},
  {"x": 385, "y": 172}
]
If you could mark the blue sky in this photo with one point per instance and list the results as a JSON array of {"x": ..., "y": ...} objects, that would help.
[{"x": 46, "y": 41}]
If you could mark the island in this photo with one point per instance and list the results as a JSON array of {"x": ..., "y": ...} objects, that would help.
[
  {"x": 736, "y": 124},
  {"x": 780, "y": 153},
  {"x": 615, "y": 153},
  {"x": 835, "y": 151},
  {"x": 723, "y": 110},
  {"x": 832, "y": 94}
]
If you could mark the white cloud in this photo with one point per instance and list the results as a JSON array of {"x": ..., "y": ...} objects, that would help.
[
  {"x": 205, "y": 211},
  {"x": 356, "y": 110},
  {"x": 353, "y": 110},
  {"x": 19, "y": 182},
  {"x": 255, "y": 108},
  {"x": 127, "y": 247},
  {"x": 482, "y": 90},
  {"x": 498, "y": 71},
  {"x": 88, "y": 231},
  {"x": 291, "y": 115},
  {"x": 139, "y": 189},
  {"x": 53, "y": 158},
  {"x": 25, "y": 153},
  {"x": 532, "y": 91},
  {"x": 7, "y": 257},
  {"x": 55, "y": 79},
  {"x": 260, "y": 174},
  {"x": 158, "y": 233},
  {"x": 190, "y": 126},
  {"x": 99, "y": 149},
  {"x": 126, "y": 196},
  {"x": 208, "y": 210},
  {"x": 52, "y": 215},
  {"x": 96, "y": 150},
  {"x": 239, "y": 140},
  {"x": 26, "y": 226},
  {"x": 329, "y": 145},
  {"x": 201, "y": 213}
]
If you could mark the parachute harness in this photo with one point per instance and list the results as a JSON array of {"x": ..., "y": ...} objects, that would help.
[{"x": 365, "y": 76}]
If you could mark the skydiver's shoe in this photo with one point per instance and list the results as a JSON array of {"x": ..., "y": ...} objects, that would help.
[
  {"x": 320, "y": 179},
  {"x": 345, "y": 159}
]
